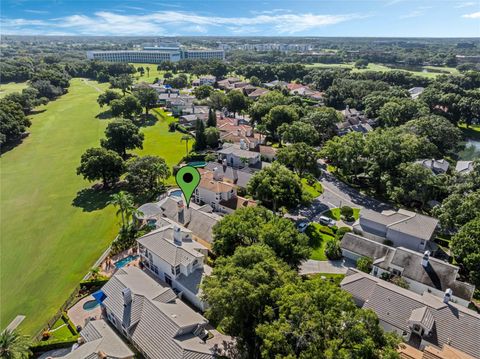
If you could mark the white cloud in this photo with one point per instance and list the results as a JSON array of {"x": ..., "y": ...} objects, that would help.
[
  {"x": 465, "y": 4},
  {"x": 411, "y": 14},
  {"x": 37, "y": 11},
  {"x": 474, "y": 15},
  {"x": 156, "y": 23}
]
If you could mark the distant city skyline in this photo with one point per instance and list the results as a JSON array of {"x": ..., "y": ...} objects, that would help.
[{"x": 380, "y": 18}]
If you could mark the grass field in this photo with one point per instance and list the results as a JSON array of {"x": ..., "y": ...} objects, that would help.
[
  {"x": 154, "y": 73},
  {"x": 427, "y": 71},
  {"x": 52, "y": 232},
  {"x": 163, "y": 143},
  {"x": 5, "y": 89},
  {"x": 318, "y": 241},
  {"x": 315, "y": 190}
]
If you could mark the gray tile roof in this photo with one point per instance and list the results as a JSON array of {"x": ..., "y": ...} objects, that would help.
[
  {"x": 366, "y": 248},
  {"x": 161, "y": 243},
  {"x": 453, "y": 324},
  {"x": 197, "y": 219},
  {"x": 407, "y": 222},
  {"x": 438, "y": 274},
  {"x": 165, "y": 326},
  {"x": 236, "y": 151},
  {"x": 99, "y": 337}
]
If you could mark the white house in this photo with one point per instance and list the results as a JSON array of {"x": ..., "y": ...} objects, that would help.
[
  {"x": 217, "y": 193},
  {"x": 422, "y": 272},
  {"x": 421, "y": 320},
  {"x": 239, "y": 156},
  {"x": 156, "y": 321},
  {"x": 171, "y": 254},
  {"x": 403, "y": 228}
]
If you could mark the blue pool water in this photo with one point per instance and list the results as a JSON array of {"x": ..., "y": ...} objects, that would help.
[
  {"x": 197, "y": 164},
  {"x": 176, "y": 193},
  {"x": 91, "y": 304},
  {"x": 123, "y": 262}
]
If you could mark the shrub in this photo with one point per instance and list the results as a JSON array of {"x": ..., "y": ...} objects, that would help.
[
  {"x": 365, "y": 264},
  {"x": 326, "y": 230},
  {"x": 400, "y": 282},
  {"x": 333, "y": 250},
  {"x": 346, "y": 212},
  {"x": 45, "y": 346},
  {"x": 172, "y": 126},
  {"x": 341, "y": 232}
]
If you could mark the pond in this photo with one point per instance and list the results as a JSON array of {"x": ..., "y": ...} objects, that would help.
[{"x": 471, "y": 150}]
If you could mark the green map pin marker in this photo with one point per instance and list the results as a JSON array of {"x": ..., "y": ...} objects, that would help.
[{"x": 187, "y": 179}]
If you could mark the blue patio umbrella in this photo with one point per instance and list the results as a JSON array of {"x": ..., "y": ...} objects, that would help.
[{"x": 99, "y": 296}]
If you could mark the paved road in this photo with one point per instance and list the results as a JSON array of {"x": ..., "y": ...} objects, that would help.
[{"x": 337, "y": 194}]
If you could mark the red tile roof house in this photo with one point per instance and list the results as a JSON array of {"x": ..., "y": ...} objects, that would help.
[{"x": 232, "y": 131}]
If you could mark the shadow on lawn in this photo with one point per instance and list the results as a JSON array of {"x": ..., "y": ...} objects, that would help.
[
  {"x": 105, "y": 115},
  {"x": 93, "y": 198},
  {"x": 146, "y": 121}
]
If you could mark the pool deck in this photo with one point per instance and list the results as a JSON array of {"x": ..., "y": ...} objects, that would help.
[
  {"x": 79, "y": 316},
  {"x": 107, "y": 268}
]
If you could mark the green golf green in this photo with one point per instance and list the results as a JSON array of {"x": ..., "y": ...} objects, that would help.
[{"x": 52, "y": 232}]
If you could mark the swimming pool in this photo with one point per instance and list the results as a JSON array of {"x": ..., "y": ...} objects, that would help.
[
  {"x": 123, "y": 262},
  {"x": 200, "y": 164},
  {"x": 90, "y": 305},
  {"x": 176, "y": 193}
]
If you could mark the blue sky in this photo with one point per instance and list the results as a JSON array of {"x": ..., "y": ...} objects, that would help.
[{"x": 412, "y": 18}]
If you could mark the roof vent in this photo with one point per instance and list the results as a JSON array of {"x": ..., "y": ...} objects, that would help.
[
  {"x": 426, "y": 257},
  {"x": 448, "y": 295}
]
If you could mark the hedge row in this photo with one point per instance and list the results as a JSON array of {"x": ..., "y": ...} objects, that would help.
[{"x": 45, "y": 346}]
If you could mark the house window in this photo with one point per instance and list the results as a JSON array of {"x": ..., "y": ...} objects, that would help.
[
  {"x": 154, "y": 268},
  {"x": 396, "y": 272},
  {"x": 177, "y": 270},
  {"x": 195, "y": 262}
]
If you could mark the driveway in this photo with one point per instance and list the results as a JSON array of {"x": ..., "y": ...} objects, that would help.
[{"x": 331, "y": 267}]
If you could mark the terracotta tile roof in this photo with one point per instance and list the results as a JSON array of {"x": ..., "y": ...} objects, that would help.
[
  {"x": 238, "y": 202},
  {"x": 207, "y": 182}
]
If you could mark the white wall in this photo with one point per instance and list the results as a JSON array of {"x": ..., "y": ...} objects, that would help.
[
  {"x": 378, "y": 228},
  {"x": 404, "y": 240}
]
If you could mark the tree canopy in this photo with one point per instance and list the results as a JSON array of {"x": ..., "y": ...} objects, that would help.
[
  {"x": 101, "y": 164},
  {"x": 276, "y": 186},
  {"x": 122, "y": 135}
]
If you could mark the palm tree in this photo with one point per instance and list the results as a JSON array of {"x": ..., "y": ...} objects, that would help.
[
  {"x": 262, "y": 130},
  {"x": 13, "y": 345},
  {"x": 186, "y": 138},
  {"x": 126, "y": 207}
]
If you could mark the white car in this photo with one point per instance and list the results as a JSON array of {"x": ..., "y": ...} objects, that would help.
[
  {"x": 326, "y": 221},
  {"x": 302, "y": 226}
]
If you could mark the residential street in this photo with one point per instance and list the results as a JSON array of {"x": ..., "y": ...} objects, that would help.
[{"x": 337, "y": 194}]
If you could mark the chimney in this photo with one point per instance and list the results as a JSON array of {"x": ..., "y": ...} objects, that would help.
[
  {"x": 447, "y": 296},
  {"x": 216, "y": 174},
  {"x": 127, "y": 297},
  {"x": 426, "y": 257},
  {"x": 177, "y": 236}
]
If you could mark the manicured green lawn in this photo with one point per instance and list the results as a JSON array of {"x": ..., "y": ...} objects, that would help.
[
  {"x": 5, "y": 89},
  {"x": 51, "y": 231},
  {"x": 435, "y": 70},
  {"x": 154, "y": 73},
  {"x": 472, "y": 132},
  {"x": 334, "y": 213},
  {"x": 318, "y": 241},
  {"x": 314, "y": 190},
  {"x": 159, "y": 141}
]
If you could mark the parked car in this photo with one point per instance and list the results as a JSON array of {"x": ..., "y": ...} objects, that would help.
[
  {"x": 302, "y": 226},
  {"x": 326, "y": 221}
]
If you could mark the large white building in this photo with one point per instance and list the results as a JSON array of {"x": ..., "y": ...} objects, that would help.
[{"x": 156, "y": 55}]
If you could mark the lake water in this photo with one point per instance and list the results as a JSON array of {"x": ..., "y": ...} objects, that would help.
[{"x": 471, "y": 151}]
